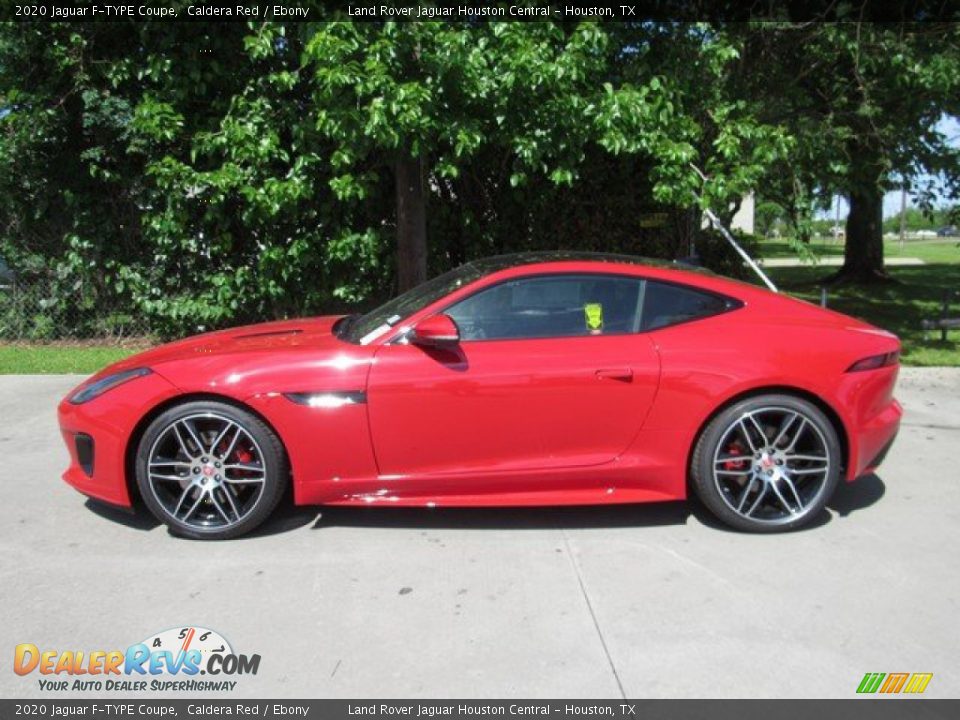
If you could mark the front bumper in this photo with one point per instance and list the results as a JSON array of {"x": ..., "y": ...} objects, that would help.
[{"x": 104, "y": 427}]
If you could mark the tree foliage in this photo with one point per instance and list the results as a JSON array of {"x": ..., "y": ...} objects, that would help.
[
  {"x": 212, "y": 174},
  {"x": 862, "y": 102}
]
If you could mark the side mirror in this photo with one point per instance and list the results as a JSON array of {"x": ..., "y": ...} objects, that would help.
[{"x": 435, "y": 331}]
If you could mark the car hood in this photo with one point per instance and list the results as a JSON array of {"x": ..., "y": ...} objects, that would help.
[
  {"x": 305, "y": 333},
  {"x": 276, "y": 357},
  {"x": 266, "y": 359}
]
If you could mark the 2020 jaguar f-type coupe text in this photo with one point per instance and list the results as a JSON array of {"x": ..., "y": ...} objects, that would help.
[{"x": 531, "y": 379}]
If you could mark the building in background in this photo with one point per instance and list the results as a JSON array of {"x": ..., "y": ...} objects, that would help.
[{"x": 743, "y": 219}]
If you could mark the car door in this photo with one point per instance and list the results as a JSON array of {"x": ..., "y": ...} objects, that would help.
[{"x": 550, "y": 372}]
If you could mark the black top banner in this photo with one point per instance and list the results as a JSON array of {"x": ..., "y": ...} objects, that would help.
[{"x": 480, "y": 11}]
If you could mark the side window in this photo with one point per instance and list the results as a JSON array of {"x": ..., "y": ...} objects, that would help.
[
  {"x": 550, "y": 306},
  {"x": 665, "y": 304}
]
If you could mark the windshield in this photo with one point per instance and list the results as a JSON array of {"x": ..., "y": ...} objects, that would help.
[{"x": 367, "y": 328}]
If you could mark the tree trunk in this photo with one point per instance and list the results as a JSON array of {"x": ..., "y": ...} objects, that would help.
[
  {"x": 863, "y": 251},
  {"x": 411, "y": 223}
]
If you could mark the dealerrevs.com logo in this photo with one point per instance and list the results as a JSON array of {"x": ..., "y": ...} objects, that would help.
[{"x": 170, "y": 661}]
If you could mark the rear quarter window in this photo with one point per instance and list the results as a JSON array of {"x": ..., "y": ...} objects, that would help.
[{"x": 667, "y": 304}]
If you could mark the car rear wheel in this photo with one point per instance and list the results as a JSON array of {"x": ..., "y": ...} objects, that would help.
[
  {"x": 210, "y": 470},
  {"x": 767, "y": 464}
]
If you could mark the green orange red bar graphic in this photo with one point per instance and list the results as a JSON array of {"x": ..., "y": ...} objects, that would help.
[{"x": 889, "y": 683}]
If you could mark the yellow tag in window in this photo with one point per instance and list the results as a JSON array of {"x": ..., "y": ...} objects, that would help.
[{"x": 593, "y": 313}]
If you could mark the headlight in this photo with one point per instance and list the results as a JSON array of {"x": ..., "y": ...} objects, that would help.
[{"x": 98, "y": 388}]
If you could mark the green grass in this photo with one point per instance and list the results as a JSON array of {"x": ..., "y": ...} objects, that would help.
[
  {"x": 783, "y": 249},
  {"x": 898, "y": 307},
  {"x": 929, "y": 250},
  {"x": 24, "y": 358}
]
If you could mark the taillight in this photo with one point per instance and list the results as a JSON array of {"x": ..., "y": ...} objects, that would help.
[{"x": 875, "y": 361}]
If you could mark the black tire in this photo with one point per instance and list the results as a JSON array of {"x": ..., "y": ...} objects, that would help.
[
  {"x": 760, "y": 476},
  {"x": 213, "y": 518}
]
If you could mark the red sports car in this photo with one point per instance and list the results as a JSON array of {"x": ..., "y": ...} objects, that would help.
[{"x": 531, "y": 379}]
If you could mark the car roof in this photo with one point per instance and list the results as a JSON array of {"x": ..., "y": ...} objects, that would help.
[
  {"x": 676, "y": 272},
  {"x": 665, "y": 270},
  {"x": 496, "y": 263}
]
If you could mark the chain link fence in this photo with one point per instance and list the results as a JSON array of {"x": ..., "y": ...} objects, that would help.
[{"x": 44, "y": 310}]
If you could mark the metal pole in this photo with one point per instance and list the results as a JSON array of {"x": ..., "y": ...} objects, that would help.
[
  {"x": 836, "y": 223},
  {"x": 736, "y": 246},
  {"x": 730, "y": 239},
  {"x": 903, "y": 215}
]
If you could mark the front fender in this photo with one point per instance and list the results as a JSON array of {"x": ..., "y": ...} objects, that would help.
[{"x": 110, "y": 421}]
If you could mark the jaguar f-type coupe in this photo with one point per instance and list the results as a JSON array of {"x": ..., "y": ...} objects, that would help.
[{"x": 534, "y": 379}]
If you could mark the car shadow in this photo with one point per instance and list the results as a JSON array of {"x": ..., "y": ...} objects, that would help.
[
  {"x": 852, "y": 496},
  {"x": 848, "y": 499},
  {"x": 137, "y": 518},
  {"x": 507, "y": 518},
  {"x": 286, "y": 517}
]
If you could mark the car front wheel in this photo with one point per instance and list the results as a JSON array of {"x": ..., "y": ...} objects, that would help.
[
  {"x": 210, "y": 470},
  {"x": 768, "y": 463}
]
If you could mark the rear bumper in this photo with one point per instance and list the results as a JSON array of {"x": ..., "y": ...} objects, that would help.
[{"x": 874, "y": 439}]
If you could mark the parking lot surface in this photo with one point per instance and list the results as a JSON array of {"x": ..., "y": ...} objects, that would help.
[{"x": 635, "y": 601}]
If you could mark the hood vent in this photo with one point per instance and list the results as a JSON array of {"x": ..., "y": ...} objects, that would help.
[{"x": 269, "y": 333}]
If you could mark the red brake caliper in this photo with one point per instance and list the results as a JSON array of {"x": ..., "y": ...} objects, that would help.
[
  {"x": 735, "y": 465},
  {"x": 243, "y": 456}
]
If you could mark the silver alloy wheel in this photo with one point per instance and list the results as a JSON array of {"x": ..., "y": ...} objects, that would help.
[
  {"x": 771, "y": 465},
  {"x": 206, "y": 471}
]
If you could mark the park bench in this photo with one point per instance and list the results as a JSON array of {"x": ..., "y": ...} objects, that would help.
[{"x": 944, "y": 322}]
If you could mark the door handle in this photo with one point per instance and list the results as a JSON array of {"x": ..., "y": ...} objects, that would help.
[{"x": 623, "y": 374}]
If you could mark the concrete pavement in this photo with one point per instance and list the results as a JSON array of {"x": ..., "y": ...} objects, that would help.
[
  {"x": 834, "y": 261},
  {"x": 641, "y": 601}
]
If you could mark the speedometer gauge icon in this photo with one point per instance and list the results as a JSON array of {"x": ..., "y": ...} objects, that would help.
[{"x": 183, "y": 639}]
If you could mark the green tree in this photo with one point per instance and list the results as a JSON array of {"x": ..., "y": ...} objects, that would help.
[
  {"x": 428, "y": 100},
  {"x": 862, "y": 101},
  {"x": 920, "y": 219},
  {"x": 768, "y": 216},
  {"x": 209, "y": 174}
]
